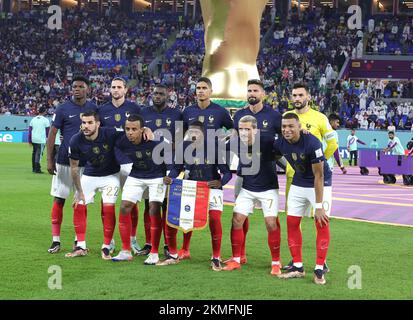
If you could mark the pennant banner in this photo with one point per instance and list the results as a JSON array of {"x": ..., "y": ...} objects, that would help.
[{"x": 188, "y": 205}]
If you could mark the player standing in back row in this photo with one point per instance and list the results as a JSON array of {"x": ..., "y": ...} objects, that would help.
[
  {"x": 113, "y": 114},
  {"x": 158, "y": 118},
  {"x": 67, "y": 119}
]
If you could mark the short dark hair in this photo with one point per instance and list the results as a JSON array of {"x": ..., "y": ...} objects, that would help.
[
  {"x": 333, "y": 117},
  {"x": 117, "y": 78},
  {"x": 161, "y": 85},
  {"x": 206, "y": 80},
  {"x": 91, "y": 113},
  {"x": 196, "y": 123},
  {"x": 81, "y": 78},
  {"x": 42, "y": 109},
  {"x": 299, "y": 85},
  {"x": 391, "y": 132},
  {"x": 258, "y": 82},
  {"x": 136, "y": 117},
  {"x": 290, "y": 115}
]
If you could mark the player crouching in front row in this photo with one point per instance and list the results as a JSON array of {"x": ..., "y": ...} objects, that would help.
[
  {"x": 260, "y": 182},
  {"x": 203, "y": 162},
  {"x": 95, "y": 147},
  {"x": 145, "y": 173},
  {"x": 311, "y": 187}
]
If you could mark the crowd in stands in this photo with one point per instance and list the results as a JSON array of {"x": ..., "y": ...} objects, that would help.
[
  {"x": 390, "y": 36},
  {"x": 374, "y": 104},
  {"x": 37, "y": 64},
  {"x": 311, "y": 49}
]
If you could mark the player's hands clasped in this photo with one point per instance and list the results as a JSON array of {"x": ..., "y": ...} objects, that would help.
[
  {"x": 321, "y": 217},
  {"x": 167, "y": 180},
  {"x": 215, "y": 184}
]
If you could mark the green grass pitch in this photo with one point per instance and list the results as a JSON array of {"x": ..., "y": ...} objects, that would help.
[{"x": 383, "y": 253}]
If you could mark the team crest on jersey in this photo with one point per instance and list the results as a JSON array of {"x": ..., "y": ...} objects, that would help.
[
  {"x": 168, "y": 122},
  {"x": 201, "y": 118},
  {"x": 158, "y": 122},
  {"x": 302, "y": 156},
  {"x": 96, "y": 150},
  {"x": 118, "y": 117},
  {"x": 138, "y": 154},
  {"x": 265, "y": 124},
  {"x": 211, "y": 118},
  {"x": 106, "y": 147},
  {"x": 294, "y": 156},
  {"x": 300, "y": 168}
]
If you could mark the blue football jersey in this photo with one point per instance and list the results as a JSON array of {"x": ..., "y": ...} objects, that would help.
[
  {"x": 213, "y": 117},
  {"x": 268, "y": 120},
  {"x": 67, "y": 120},
  {"x": 141, "y": 155},
  {"x": 99, "y": 154},
  {"x": 301, "y": 156}
]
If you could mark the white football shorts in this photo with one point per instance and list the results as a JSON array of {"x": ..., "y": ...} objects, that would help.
[
  {"x": 109, "y": 186},
  {"x": 301, "y": 200},
  {"x": 62, "y": 182},
  {"x": 244, "y": 204},
  {"x": 134, "y": 189}
]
